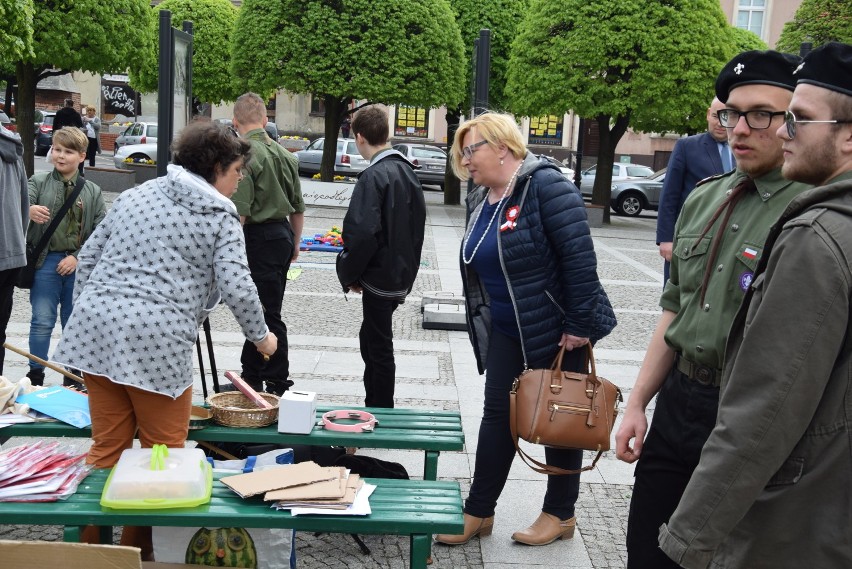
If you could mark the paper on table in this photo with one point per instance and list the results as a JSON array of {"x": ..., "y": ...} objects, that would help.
[
  {"x": 353, "y": 484},
  {"x": 275, "y": 478},
  {"x": 333, "y": 489},
  {"x": 361, "y": 506},
  {"x": 7, "y": 419}
]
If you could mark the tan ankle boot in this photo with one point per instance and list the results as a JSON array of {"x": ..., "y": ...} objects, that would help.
[
  {"x": 473, "y": 526},
  {"x": 546, "y": 529}
]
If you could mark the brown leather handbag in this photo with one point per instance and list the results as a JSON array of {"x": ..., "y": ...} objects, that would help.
[{"x": 563, "y": 409}]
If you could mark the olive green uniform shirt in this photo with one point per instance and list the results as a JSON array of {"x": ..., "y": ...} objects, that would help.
[
  {"x": 699, "y": 330},
  {"x": 67, "y": 236},
  {"x": 271, "y": 191}
]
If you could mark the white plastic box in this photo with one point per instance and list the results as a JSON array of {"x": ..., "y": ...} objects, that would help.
[
  {"x": 297, "y": 411},
  {"x": 172, "y": 478}
]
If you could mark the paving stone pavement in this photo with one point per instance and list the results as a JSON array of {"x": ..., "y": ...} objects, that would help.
[{"x": 436, "y": 369}]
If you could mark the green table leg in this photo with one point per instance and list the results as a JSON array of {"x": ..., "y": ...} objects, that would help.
[
  {"x": 430, "y": 466},
  {"x": 71, "y": 534},
  {"x": 420, "y": 551}
]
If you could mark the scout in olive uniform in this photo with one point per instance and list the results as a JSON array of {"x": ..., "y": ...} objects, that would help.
[
  {"x": 269, "y": 201},
  {"x": 779, "y": 457},
  {"x": 719, "y": 238}
]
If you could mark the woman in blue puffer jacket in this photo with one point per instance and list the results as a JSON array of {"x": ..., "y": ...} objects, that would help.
[{"x": 531, "y": 287}]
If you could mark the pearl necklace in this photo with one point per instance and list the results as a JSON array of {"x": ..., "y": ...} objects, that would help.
[{"x": 490, "y": 221}]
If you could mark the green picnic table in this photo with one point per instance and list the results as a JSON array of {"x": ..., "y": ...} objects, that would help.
[
  {"x": 431, "y": 431},
  {"x": 416, "y": 508}
]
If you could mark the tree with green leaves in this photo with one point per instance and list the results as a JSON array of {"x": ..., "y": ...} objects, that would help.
[
  {"x": 646, "y": 64},
  {"x": 84, "y": 35},
  {"x": 745, "y": 40},
  {"x": 817, "y": 22},
  {"x": 213, "y": 24},
  {"x": 392, "y": 52},
  {"x": 501, "y": 17},
  {"x": 16, "y": 34}
]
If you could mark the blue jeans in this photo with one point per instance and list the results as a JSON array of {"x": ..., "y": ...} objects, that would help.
[{"x": 50, "y": 289}]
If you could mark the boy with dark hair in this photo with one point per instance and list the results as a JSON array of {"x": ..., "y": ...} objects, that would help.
[{"x": 383, "y": 237}]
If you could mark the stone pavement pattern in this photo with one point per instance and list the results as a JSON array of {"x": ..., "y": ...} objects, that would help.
[{"x": 436, "y": 369}]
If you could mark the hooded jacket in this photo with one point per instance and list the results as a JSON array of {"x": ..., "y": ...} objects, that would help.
[
  {"x": 383, "y": 228},
  {"x": 550, "y": 266},
  {"x": 772, "y": 489},
  {"x": 148, "y": 277},
  {"x": 14, "y": 202}
]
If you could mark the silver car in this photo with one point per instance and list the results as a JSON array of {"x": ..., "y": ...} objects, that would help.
[
  {"x": 348, "y": 161},
  {"x": 620, "y": 171},
  {"x": 630, "y": 197},
  {"x": 137, "y": 133},
  {"x": 432, "y": 161}
]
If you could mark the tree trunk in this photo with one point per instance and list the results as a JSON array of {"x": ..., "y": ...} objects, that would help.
[
  {"x": 609, "y": 138},
  {"x": 333, "y": 106},
  {"x": 452, "y": 185},
  {"x": 27, "y": 76}
]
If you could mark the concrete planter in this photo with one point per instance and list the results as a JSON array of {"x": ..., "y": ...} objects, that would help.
[
  {"x": 294, "y": 145},
  {"x": 595, "y": 214},
  {"x": 111, "y": 179},
  {"x": 144, "y": 172}
]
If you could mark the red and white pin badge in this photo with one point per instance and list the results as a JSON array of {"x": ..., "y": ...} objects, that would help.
[{"x": 511, "y": 218}]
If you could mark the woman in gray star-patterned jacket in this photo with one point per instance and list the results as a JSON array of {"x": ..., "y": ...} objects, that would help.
[{"x": 146, "y": 279}]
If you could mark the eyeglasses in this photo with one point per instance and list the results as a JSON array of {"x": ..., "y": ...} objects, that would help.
[
  {"x": 468, "y": 151},
  {"x": 791, "y": 122},
  {"x": 758, "y": 120}
]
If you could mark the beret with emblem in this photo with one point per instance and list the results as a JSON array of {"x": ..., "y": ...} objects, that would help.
[
  {"x": 829, "y": 66},
  {"x": 757, "y": 68}
]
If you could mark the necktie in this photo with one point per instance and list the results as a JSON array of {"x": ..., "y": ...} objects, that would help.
[
  {"x": 726, "y": 207},
  {"x": 725, "y": 154}
]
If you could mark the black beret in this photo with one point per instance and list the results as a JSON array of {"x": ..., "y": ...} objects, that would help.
[
  {"x": 829, "y": 66},
  {"x": 757, "y": 68}
]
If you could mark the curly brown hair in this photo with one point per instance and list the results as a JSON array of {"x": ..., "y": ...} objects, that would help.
[{"x": 202, "y": 147}]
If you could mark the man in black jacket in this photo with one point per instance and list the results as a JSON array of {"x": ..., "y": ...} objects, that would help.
[
  {"x": 68, "y": 116},
  {"x": 383, "y": 237}
]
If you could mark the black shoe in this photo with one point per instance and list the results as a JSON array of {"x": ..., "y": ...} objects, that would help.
[
  {"x": 74, "y": 386},
  {"x": 36, "y": 377}
]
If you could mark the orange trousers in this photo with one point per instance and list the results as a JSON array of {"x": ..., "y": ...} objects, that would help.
[{"x": 118, "y": 413}]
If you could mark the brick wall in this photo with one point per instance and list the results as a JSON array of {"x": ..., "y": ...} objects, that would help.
[{"x": 55, "y": 100}]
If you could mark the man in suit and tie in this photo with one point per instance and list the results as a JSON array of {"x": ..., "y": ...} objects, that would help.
[{"x": 693, "y": 159}]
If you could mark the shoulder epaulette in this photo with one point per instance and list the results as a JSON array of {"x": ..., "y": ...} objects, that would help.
[{"x": 716, "y": 177}]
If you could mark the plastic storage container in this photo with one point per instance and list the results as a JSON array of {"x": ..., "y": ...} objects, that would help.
[{"x": 159, "y": 477}]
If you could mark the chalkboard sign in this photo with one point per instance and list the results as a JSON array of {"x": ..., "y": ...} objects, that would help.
[{"x": 119, "y": 100}]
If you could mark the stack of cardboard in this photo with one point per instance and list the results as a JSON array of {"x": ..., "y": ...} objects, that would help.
[{"x": 305, "y": 485}]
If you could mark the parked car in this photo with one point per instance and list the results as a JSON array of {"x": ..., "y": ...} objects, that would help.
[
  {"x": 147, "y": 151},
  {"x": 431, "y": 161},
  {"x": 348, "y": 161},
  {"x": 630, "y": 197},
  {"x": 43, "y": 137},
  {"x": 620, "y": 171},
  {"x": 566, "y": 171},
  {"x": 137, "y": 133}
]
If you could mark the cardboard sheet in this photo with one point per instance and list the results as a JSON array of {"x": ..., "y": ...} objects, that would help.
[{"x": 276, "y": 478}]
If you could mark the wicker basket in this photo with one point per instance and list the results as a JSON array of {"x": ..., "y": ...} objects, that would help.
[{"x": 233, "y": 409}]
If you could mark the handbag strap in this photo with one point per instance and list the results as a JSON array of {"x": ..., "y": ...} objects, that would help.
[{"x": 57, "y": 219}]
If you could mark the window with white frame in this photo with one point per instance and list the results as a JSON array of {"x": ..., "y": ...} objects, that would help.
[{"x": 750, "y": 15}]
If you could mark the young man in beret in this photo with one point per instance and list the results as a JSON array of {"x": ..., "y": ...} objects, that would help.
[
  {"x": 718, "y": 242},
  {"x": 772, "y": 488}
]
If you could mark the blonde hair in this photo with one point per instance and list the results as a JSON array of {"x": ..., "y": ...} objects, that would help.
[
  {"x": 72, "y": 138},
  {"x": 249, "y": 108},
  {"x": 496, "y": 129}
]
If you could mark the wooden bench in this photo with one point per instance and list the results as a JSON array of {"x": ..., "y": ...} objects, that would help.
[
  {"x": 416, "y": 508},
  {"x": 431, "y": 431}
]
